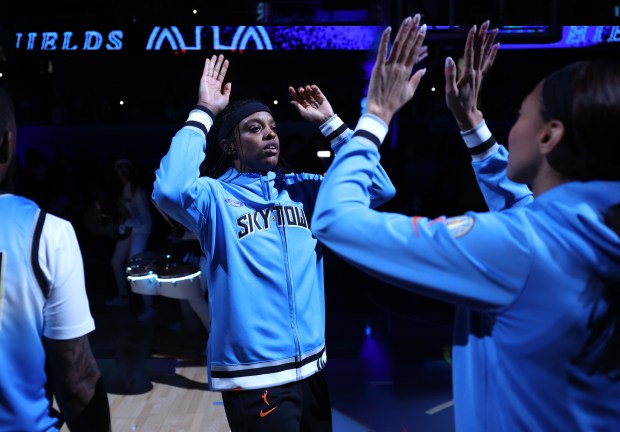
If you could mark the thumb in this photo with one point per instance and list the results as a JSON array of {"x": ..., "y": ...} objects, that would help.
[
  {"x": 450, "y": 73},
  {"x": 415, "y": 79}
]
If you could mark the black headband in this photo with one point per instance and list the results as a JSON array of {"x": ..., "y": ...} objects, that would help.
[{"x": 233, "y": 118}]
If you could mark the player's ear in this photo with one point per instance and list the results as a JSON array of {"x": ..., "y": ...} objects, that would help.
[
  {"x": 228, "y": 147},
  {"x": 551, "y": 136}
]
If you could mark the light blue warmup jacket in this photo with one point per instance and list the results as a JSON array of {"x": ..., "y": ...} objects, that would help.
[
  {"x": 536, "y": 281},
  {"x": 265, "y": 273}
]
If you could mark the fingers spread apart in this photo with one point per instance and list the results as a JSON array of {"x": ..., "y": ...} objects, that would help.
[
  {"x": 407, "y": 48},
  {"x": 216, "y": 67},
  {"x": 309, "y": 95},
  {"x": 480, "y": 48}
]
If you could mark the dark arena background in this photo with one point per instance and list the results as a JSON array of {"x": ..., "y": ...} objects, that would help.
[{"x": 93, "y": 82}]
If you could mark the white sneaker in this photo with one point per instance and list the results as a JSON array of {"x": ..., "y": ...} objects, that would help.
[
  {"x": 118, "y": 302},
  {"x": 147, "y": 314}
]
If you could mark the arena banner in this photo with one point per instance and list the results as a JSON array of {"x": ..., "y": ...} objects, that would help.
[{"x": 240, "y": 38}]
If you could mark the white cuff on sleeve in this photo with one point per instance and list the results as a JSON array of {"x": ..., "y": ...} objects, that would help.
[
  {"x": 476, "y": 135},
  {"x": 201, "y": 117},
  {"x": 371, "y": 128},
  {"x": 334, "y": 129}
]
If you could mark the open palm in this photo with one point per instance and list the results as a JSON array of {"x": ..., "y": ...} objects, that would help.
[{"x": 212, "y": 93}]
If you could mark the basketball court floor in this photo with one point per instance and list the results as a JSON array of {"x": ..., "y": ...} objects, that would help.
[{"x": 388, "y": 365}]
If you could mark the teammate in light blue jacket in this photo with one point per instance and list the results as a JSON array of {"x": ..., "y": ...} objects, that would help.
[
  {"x": 537, "y": 338},
  {"x": 265, "y": 273}
]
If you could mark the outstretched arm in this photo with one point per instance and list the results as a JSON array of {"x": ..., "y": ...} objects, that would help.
[
  {"x": 313, "y": 106},
  {"x": 462, "y": 95},
  {"x": 489, "y": 159},
  {"x": 443, "y": 258},
  {"x": 174, "y": 190},
  {"x": 391, "y": 86}
]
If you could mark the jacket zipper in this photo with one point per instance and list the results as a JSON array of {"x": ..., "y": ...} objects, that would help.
[
  {"x": 266, "y": 190},
  {"x": 289, "y": 281},
  {"x": 291, "y": 296}
]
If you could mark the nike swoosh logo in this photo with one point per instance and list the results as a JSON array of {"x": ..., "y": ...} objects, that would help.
[{"x": 266, "y": 413}]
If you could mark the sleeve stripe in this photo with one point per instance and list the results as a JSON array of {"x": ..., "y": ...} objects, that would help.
[
  {"x": 368, "y": 135},
  {"x": 202, "y": 115},
  {"x": 34, "y": 255},
  {"x": 374, "y": 129},
  {"x": 205, "y": 110},
  {"x": 197, "y": 125},
  {"x": 334, "y": 129},
  {"x": 477, "y": 135},
  {"x": 337, "y": 132},
  {"x": 414, "y": 220},
  {"x": 481, "y": 148},
  {"x": 331, "y": 124}
]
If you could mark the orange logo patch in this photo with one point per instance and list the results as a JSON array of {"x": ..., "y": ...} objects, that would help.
[{"x": 269, "y": 411}]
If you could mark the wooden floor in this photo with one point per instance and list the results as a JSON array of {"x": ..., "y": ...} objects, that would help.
[
  {"x": 168, "y": 407},
  {"x": 155, "y": 371}
]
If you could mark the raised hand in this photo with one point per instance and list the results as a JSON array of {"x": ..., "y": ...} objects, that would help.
[
  {"x": 212, "y": 94},
  {"x": 311, "y": 104},
  {"x": 391, "y": 83},
  {"x": 462, "y": 95}
]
